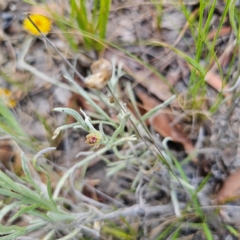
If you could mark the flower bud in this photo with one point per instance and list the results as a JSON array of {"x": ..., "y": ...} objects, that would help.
[{"x": 93, "y": 139}]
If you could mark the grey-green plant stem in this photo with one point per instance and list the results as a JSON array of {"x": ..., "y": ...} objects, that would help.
[
  {"x": 86, "y": 160},
  {"x": 236, "y": 85},
  {"x": 82, "y": 92},
  {"x": 24, "y": 65},
  {"x": 45, "y": 150},
  {"x": 157, "y": 108},
  {"x": 110, "y": 199},
  {"x": 120, "y": 129},
  {"x": 149, "y": 134},
  {"x": 120, "y": 156},
  {"x": 74, "y": 114},
  {"x": 138, "y": 210},
  {"x": 64, "y": 127}
]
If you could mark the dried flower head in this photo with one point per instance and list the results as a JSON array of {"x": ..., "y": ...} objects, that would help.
[
  {"x": 43, "y": 24},
  {"x": 93, "y": 139},
  {"x": 6, "y": 97},
  {"x": 101, "y": 74}
]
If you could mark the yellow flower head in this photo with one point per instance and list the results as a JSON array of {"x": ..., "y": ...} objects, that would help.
[
  {"x": 6, "y": 98},
  {"x": 43, "y": 23}
]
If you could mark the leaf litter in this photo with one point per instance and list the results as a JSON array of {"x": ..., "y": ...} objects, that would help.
[{"x": 220, "y": 135}]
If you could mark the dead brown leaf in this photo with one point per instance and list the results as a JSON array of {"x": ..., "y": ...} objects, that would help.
[
  {"x": 214, "y": 80},
  {"x": 141, "y": 74},
  {"x": 162, "y": 121},
  {"x": 10, "y": 156},
  {"x": 212, "y": 77},
  {"x": 222, "y": 32},
  {"x": 230, "y": 189}
]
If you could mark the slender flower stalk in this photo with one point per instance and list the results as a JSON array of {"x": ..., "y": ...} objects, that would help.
[{"x": 43, "y": 23}]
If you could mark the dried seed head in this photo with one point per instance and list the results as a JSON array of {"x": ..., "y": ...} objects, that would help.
[
  {"x": 101, "y": 74},
  {"x": 102, "y": 65}
]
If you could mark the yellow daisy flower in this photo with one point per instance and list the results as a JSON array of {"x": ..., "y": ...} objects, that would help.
[
  {"x": 43, "y": 23},
  {"x": 6, "y": 97}
]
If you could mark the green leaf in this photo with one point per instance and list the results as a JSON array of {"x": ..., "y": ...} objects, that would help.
[
  {"x": 72, "y": 113},
  {"x": 61, "y": 216},
  {"x": 10, "y": 125},
  {"x": 188, "y": 59},
  {"x": 8, "y": 193},
  {"x": 10, "y": 229},
  {"x": 24, "y": 209},
  {"x": 7, "y": 183},
  {"x": 41, "y": 215},
  {"x": 24, "y": 192},
  {"x": 28, "y": 173},
  {"x": 40, "y": 169},
  {"x": 8, "y": 208}
]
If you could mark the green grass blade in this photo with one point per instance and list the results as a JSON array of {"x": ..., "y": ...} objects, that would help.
[
  {"x": 83, "y": 15},
  {"x": 166, "y": 232},
  {"x": 231, "y": 17},
  {"x": 8, "y": 122},
  {"x": 94, "y": 14},
  {"x": 207, "y": 232},
  {"x": 232, "y": 230},
  {"x": 188, "y": 59},
  {"x": 157, "y": 108},
  {"x": 103, "y": 17},
  {"x": 80, "y": 14},
  {"x": 119, "y": 233}
]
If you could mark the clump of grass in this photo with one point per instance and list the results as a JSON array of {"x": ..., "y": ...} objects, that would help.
[
  {"x": 204, "y": 49},
  {"x": 92, "y": 20}
]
